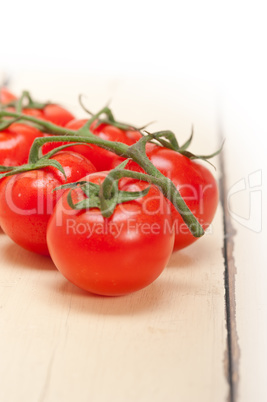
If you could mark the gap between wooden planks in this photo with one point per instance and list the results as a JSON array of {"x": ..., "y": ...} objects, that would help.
[{"x": 232, "y": 355}]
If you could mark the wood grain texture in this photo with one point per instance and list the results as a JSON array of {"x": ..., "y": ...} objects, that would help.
[{"x": 164, "y": 343}]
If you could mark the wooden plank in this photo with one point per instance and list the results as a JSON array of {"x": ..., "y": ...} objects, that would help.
[
  {"x": 243, "y": 125},
  {"x": 166, "y": 342}
]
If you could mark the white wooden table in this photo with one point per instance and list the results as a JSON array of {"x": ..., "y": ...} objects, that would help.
[{"x": 197, "y": 334}]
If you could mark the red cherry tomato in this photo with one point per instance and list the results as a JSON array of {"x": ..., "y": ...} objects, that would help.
[
  {"x": 54, "y": 113},
  {"x": 6, "y": 96},
  {"x": 117, "y": 255},
  {"x": 195, "y": 183},
  {"x": 15, "y": 143},
  {"x": 51, "y": 112},
  {"x": 27, "y": 199},
  {"x": 101, "y": 158}
]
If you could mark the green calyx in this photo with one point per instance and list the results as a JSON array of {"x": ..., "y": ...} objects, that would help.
[
  {"x": 108, "y": 118},
  {"x": 95, "y": 198},
  {"x": 172, "y": 144},
  {"x": 183, "y": 150},
  {"x": 25, "y": 101}
]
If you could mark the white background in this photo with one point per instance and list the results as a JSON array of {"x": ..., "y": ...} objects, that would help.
[{"x": 219, "y": 44}]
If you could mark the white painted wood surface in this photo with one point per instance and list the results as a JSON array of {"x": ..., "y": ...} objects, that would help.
[
  {"x": 244, "y": 125},
  {"x": 167, "y": 342}
]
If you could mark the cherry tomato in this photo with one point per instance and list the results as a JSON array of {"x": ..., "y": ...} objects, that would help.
[
  {"x": 116, "y": 255},
  {"x": 6, "y": 96},
  {"x": 101, "y": 158},
  {"x": 54, "y": 113},
  {"x": 15, "y": 143},
  {"x": 195, "y": 183},
  {"x": 51, "y": 112},
  {"x": 27, "y": 199}
]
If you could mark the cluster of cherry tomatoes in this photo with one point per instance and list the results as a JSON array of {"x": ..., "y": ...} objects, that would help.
[{"x": 42, "y": 210}]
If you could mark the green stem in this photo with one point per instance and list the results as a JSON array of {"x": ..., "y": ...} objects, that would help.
[
  {"x": 49, "y": 127},
  {"x": 53, "y": 129},
  {"x": 117, "y": 147}
]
